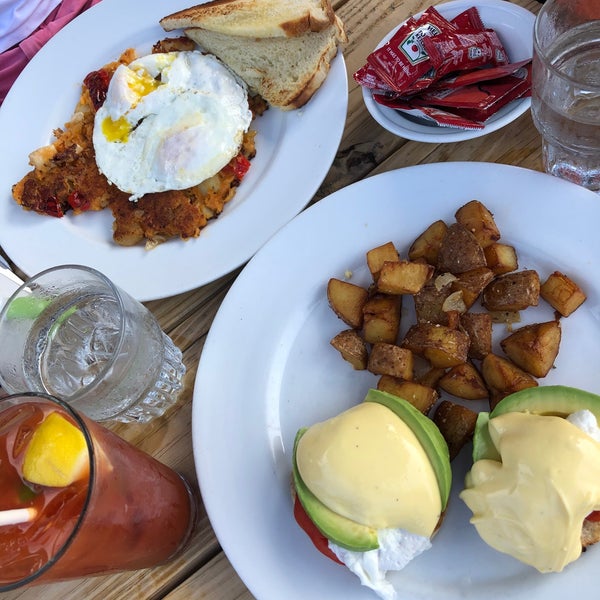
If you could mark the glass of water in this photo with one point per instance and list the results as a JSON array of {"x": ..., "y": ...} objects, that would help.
[
  {"x": 566, "y": 89},
  {"x": 70, "y": 332}
]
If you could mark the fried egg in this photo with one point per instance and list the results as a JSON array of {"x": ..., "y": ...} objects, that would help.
[{"x": 169, "y": 121}]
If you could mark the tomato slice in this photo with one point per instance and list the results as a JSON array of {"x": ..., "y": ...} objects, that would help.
[
  {"x": 318, "y": 539},
  {"x": 593, "y": 516}
]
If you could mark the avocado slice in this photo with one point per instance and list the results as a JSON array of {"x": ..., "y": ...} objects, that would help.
[
  {"x": 556, "y": 400},
  {"x": 427, "y": 433},
  {"x": 340, "y": 530}
]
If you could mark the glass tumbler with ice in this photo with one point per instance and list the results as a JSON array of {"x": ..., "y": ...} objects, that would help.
[{"x": 70, "y": 332}]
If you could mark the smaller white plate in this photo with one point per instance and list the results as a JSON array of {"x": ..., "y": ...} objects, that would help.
[
  {"x": 7, "y": 288},
  {"x": 514, "y": 26}
]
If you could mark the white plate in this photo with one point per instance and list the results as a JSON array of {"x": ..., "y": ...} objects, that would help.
[
  {"x": 7, "y": 288},
  {"x": 267, "y": 369},
  {"x": 294, "y": 152},
  {"x": 514, "y": 26}
]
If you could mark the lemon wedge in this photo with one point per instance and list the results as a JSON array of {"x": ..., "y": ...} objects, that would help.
[{"x": 57, "y": 454}]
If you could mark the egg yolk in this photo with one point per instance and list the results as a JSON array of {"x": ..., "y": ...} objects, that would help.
[{"x": 116, "y": 131}]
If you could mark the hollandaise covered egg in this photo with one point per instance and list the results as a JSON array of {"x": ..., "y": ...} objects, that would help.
[
  {"x": 534, "y": 487},
  {"x": 373, "y": 482},
  {"x": 169, "y": 121}
]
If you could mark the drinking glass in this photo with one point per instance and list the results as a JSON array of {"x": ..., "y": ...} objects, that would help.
[
  {"x": 566, "y": 89},
  {"x": 123, "y": 511},
  {"x": 70, "y": 332}
]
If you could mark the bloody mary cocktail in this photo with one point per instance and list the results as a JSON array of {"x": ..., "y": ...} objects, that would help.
[{"x": 111, "y": 508}]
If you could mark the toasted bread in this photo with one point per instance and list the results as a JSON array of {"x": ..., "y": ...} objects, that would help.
[
  {"x": 255, "y": 18},
  {"x": 286, "y": 72}
]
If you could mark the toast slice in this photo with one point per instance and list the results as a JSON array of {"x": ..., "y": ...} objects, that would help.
[
  {"x": 255, "y": 18},
  {"x": 286, "y": 72}
]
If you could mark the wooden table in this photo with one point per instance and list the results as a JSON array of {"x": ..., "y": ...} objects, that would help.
[{"x": 203, "y": 570}]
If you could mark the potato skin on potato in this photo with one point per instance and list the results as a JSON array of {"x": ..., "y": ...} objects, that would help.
[{"x": 513, "y": 291}]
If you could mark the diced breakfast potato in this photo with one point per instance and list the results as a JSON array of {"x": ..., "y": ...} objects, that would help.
[
  {"x": 420, "y": 396},
  {"x": 429, "y": 302},
  {"x": 479, "y": 221},
  {"x": 440, "y": 345},
  {"x": 534, "y": 347},
  {"x": 478, "y": 326},
  {"x": 352, "y": 347},
  {"x": 381, "y": 318},
  {"x": 503, "y": 377},
  {"x": 347, "y": 301},
  {"x": 427, "y": 245},
  {"x": 472, "y": 283},
  {"x": 456, "y": 424},
  {"x": 501, "y": 258},
  {"x": 460, "y": 251},
  {"x": 403, "y": 277},
  {"x": 562, "y": 293},
  {"x": 377, "y": 256},
  {"x": 512, "y": 291},
  {"x": 390, "y": 359},
  {"x": 431, "y": 377},
  {"x": 464, "y": 381}
]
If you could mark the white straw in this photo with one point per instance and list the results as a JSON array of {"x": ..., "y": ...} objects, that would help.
[{"x": 17, "y": 515}]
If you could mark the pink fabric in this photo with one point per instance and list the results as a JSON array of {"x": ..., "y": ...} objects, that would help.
[{"x": 14, "y": 60}]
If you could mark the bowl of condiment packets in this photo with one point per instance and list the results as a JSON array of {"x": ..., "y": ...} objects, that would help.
[{"x": 456, "y": 71}]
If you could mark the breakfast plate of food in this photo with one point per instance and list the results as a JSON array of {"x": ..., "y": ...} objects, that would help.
[
  {"x": 249, "y": 422},
  {"x": 109, "y": 168}
]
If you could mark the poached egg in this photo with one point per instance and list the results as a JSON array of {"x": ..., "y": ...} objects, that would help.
[{"x": 169, "y": 121}]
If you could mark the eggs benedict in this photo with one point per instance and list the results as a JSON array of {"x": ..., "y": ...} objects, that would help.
[
  {"x": 371, "y": 486},
  {"x": 534, "y": 487}
]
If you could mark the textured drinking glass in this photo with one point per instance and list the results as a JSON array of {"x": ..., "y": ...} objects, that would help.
[
  {"x": 70, "y": 332},
  {"x": 125, "y": 511},
  {"x": 566, "y": 89}
]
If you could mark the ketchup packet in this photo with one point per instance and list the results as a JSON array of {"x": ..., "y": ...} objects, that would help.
[
  {"x": 469, "y": 20},
  {"x": 403, "y": 59},
  {"x": 479, "y": 101},
  {"x": 476, "y": 75}
]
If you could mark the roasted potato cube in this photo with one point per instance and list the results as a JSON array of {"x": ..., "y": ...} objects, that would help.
[
  {"x": 403, "y": 277},
  {"x": 390, "y": 359},
  {"x": 439, "y": 344},
  {"x": 479, "y": 221},
  {"x": 347, "y": 301},
  {"x": 431, "y": 377},
  {"x": 456, "y": 424},
  {"x": 429, "y": 301},
  {"x": 352, "y": 347},
  {"x": 464, "y": 381},
  {"x": 501, "y": 258},
  {"x": 512, "y": 291},
  {"x": 478, "y": 326},
  {"x": 562, "y": 293},
  {"x": 381, "y": 318},
  {"x": 472, "y": 283},
  {"x": 420, "y": 396},
  {"x": 503, "y": 377},
  {"x": 427, "y": 245},
  {"x": 377, "y": 256},
  {"x": 460, "y": 251},
  {"x": 534, "y": 347}
]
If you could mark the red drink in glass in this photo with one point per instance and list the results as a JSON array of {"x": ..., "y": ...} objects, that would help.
[{"x": 131, "y": 512}]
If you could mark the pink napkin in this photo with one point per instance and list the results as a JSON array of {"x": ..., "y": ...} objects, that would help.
[{"x": 13, "y": 60}]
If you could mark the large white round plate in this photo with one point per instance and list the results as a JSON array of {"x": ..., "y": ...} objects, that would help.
[
  {"x": 514, "y": 25},
  {"x": 267, "y": 369},
  {"x": 294, "y": 152}
]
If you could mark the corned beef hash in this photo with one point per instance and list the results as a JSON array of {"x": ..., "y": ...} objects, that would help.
[{"x": 162, "y": 140}]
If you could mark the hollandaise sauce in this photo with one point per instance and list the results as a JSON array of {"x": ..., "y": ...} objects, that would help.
[
  {"x": 367, "y": 465},
  {"x": 531, "y": 504}
]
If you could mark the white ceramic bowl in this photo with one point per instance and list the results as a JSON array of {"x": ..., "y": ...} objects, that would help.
[{"x": 514, "y": 26}]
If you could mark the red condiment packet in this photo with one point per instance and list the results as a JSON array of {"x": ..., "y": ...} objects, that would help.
[
  {"x": 465, "y": 51},
  {"x": 429, "y": 114},
  {"x": 480, "y": 101},
  {"x": 469, "y": 20},
  {"x": 403, "y": 59},
  {"x": 368, "y": 77},
  {"x": 477, "y": 75}
]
